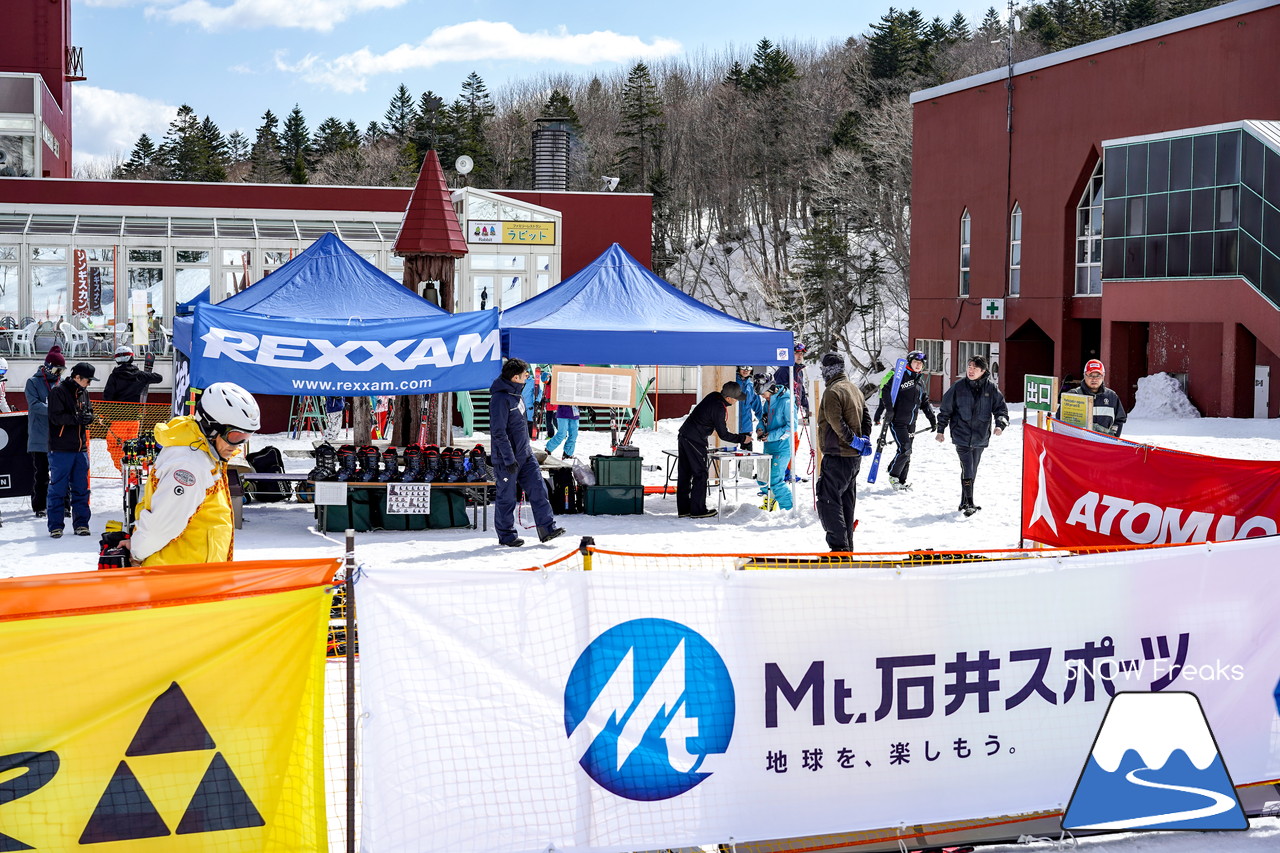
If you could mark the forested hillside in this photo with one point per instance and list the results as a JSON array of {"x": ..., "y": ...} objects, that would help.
[{"x": 781, "y": 181}]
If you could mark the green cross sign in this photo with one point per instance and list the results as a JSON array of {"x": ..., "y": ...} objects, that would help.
[{"x": 993, "y": 309}]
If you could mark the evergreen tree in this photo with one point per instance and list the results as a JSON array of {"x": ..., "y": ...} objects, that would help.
[
  {"x": 373, "y": 133},
  {"x": 398, "y": 119},
  {"x": 1043, "y": 27},
  {"x": 472, "y": 112},
  {"x": 891, "y": 48},
  {"x": 1139, "y": 13},
  {"x": 332, "y": 135},
  {"x": 559, "y": 105},
  {"x": 142, "y": 163},
  {"x": 432, "y": 128},
  {"x": 237, "y": 147},
  {"x": 958, "y": 29},
  {"x": 295, "y": 146},
  {"x": 992, "y": 28},
  {"x": 218, "y": 150},
  {"x": 186, "y": 153},
  {"x": 641, "y": 129},
  {"x": 736, "y": 76},
  {"x": 770, "y": 69},
  {"x": 264, "y": 156}
]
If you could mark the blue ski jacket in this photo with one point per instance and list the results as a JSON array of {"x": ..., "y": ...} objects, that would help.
[
  {"x": 777, "y": 416},
  {"x": 750, "y": 409},
  {"x": 531, "y": 393}
]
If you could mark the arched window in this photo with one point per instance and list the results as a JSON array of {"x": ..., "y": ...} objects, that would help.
[
  {"x": 966, "y": 231},
  {"x": 1089, "y": 237},
  {"x": 1015, "y": 250}
]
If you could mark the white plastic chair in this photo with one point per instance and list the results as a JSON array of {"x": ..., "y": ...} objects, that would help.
[
  {"x": 166, "y": 343},
  {"x": 24, "y": 340},
  {"x": 75, "y": 338}
]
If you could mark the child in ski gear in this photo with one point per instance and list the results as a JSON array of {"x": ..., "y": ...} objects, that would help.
[
  {"x": 1109, "y": 415},
  {"x": 513, "y": 459},
  {"x": 913, "y": 398},
  {"x": 843, "y": 425},
  {"x": 970, "y": 407},
  {"x": 185, "y": 515},
  {"x": 566, "y": 419},
  {"x": 127, "y": 381},
  {"x": 37, "y": 394},
  {"x": 70, "y": 413},
  {"x": 775, "y": 431},
  {"x": 750, "y": 408},
  {"x": 691, "y": 465}
]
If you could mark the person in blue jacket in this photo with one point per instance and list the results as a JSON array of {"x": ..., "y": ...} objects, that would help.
[
  {"x": 750, "y": 408},
  {"x": 531, "y": 394},
  {"x": 37, "y": 393},
  {"x": 567, "y": 431},
  {"x": 512, "y": 457},
  {"x": 775, "y": 431}
]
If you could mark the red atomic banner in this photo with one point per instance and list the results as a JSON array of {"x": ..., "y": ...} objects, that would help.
[{"x": 1079, "y": 492}]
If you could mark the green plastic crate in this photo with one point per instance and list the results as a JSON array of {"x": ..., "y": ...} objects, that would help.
[
  {"x": 615, "y": 500},
  {"x": 616, "y": 470}
]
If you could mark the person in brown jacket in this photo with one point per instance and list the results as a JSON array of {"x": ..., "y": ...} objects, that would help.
[{"x": 843, "y": 426}]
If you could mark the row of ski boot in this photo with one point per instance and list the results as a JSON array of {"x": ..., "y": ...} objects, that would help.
[
  {"x": 135, "y": 451},
  {"x": 430, "y": 464}
]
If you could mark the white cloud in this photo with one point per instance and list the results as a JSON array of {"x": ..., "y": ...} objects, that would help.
[
  {"x": 318, "y": 15},
  {"x": 474, "y": 41},
  {"x": 106, "y": 124}
]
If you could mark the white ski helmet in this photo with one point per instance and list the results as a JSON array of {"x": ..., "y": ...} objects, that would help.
[
  {"x": 4, "y": 368},
  {"x": 224, "y": 406},
  {"x": 124, "y": 354}
]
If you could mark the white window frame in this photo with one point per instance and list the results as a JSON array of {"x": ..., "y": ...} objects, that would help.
[
  {"x": 1088, "y": 280},
  {"x": 932, "y": 349},
  {"x": 966, "y": 247},
  {"x": 1015, "y": 250},
  {"x": 967, "y": 350}
]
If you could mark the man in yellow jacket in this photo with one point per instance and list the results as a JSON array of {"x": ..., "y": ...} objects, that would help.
[{"x": 185, "y": 516}]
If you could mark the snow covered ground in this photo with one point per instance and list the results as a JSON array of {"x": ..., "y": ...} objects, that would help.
[{"x": 925, "y": 517}]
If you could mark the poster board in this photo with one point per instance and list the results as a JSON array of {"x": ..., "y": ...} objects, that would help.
[
  {"x": 408, "y": 498},
  {"x": 572, "y": 385},
  {"x": 1077, "y": 410}
]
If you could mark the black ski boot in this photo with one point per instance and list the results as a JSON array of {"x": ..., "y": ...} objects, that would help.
[
  {"x": 431, "y": 465},
  {"x": 478, "y": 470},
  {"x": 368, "y": 459},
  {"x": 390, "y": 466},
  {"x": 347, "y": 464},
  {"x": 456, "y": 469},
  {"x": 412, "y": 472},
  {"x": 966, "y": 498},
  {"x": 326, "y": 464}
]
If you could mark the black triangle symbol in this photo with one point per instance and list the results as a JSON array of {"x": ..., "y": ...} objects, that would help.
[
  {"x": 125, "y": 812},
  {"x": 219, "y": 803},
  {"x": 171, "y": 725},
  {"x": 12, "y": 845}
]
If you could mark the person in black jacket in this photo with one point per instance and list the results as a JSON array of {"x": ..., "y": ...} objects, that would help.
[
  {"x": 691, "y": 465},
  {"x": 1109, "y": 415},
  {"x": 127, "y": 381},
  {"x": 913, "y": 398},
  {"x": 513, "y": 459},
  {"x": 969, "y": 407},
  {"x": 70, "y": 414}
]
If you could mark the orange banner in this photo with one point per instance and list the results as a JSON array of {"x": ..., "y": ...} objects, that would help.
[{"x": 136, "y": 588}]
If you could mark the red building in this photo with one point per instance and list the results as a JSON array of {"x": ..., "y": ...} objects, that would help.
[{"x": 1119, "y": 200}]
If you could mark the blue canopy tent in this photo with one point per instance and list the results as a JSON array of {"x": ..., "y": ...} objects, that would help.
[
  {"x": 189, "y": 306},
  {"x": 616, "y": 311},
  {"x": 330, "y": 323}
]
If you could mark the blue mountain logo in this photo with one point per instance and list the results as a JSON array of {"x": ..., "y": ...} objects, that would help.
[{"x": 1155, "y": 765}]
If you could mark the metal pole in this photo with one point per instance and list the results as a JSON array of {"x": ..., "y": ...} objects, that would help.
[{"x": 350, "y": 592}]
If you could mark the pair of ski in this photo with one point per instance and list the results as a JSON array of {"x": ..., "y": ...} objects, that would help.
[{"x": 898, "y": 370}]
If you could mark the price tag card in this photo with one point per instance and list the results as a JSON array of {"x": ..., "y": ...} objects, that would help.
[
  {"x": 408, "y": 498},
  {"x": 331, "y": 494}
]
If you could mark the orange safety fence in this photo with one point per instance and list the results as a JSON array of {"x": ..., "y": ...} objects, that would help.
[{"x": 116, "y": 424}]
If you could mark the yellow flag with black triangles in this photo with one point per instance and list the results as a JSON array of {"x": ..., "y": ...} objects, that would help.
[{"x": 174, "y": 710}]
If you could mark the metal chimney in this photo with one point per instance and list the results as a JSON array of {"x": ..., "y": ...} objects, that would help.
[{"x": 551, "y": 153}]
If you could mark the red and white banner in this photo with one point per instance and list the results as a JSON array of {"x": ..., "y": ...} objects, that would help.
[
  {"x": 1078, "y": 492},
  {"x": 79, "y": 283}
]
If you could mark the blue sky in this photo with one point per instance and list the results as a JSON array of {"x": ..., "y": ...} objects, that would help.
[{"x": 234, "y": 59}]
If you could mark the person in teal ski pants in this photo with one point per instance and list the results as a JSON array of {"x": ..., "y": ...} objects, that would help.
[{"x": 775, "y": 431}]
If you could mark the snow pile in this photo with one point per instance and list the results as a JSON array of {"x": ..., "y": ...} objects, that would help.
[{"x": 1161, "y": 397}]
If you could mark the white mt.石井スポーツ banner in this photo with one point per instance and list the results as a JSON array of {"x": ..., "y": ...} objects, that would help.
[
  {"x": 617, "y": 710},
  {"x": 309, "y": 357}
]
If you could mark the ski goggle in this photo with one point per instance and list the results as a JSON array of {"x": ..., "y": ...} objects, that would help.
[{"x": 234, "y": 437}]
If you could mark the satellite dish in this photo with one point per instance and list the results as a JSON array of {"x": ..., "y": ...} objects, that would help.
[
  {"x": 464, "y": 164},
  {"x": 609, "y": 184}
]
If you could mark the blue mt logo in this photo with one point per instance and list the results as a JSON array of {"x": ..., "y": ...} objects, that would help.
[
  {"x": 646, "y": 703},
  {"x": 1155, "y": 765}
]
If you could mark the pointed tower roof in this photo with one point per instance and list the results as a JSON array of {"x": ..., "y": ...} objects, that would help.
[{"x": 430, "y": 226}]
